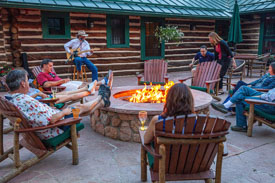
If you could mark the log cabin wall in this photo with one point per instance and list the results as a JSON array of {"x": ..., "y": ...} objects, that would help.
[
  {"x": 195, "y": 35},
  {"x": 3, "y": 57},
  {"x": 124, "y": 61},
  {"x": 251, "y": 33}
]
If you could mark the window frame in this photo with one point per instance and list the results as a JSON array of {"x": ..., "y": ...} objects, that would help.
[
  {"x": 45, "y": 29},
  {"x": 263, "y": 37},
  {"x": 109, "y": 32},
  {"x": 142, "y": 38}
]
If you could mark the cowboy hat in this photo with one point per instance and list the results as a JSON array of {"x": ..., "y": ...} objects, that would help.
[{"x": 82, "y": 33}]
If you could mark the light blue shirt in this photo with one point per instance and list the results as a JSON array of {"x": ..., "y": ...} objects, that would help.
[{"x": 269, "y": 96}]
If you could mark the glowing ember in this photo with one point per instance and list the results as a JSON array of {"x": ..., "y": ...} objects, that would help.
[{"x": 153, "y": 95}]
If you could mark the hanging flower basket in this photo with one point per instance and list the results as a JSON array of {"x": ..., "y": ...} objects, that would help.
[{"x": 169, "y": 33}]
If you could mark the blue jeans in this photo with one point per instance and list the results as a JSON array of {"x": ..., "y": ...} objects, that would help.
[
  {"x": 78, "y": 61},
  {"x": 239, "y": 99}
]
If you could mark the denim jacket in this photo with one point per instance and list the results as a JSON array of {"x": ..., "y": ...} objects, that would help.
[{"x": 265, "y": 82}]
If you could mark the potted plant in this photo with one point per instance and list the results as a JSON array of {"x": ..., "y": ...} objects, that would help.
[{"x": 169, "y": 33}]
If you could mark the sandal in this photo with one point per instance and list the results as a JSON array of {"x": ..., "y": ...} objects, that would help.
[{"x": 105, "y": 93}]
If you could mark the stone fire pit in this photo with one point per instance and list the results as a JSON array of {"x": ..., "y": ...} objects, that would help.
[{"x": 120, "y": 120}]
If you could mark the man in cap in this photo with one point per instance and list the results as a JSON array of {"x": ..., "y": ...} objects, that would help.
[{"x": 81, "y": 44}]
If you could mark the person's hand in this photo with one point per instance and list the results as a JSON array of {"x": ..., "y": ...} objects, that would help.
[
  {"x": 234, "y": 65},
  {"x": 190, "y": 65},
  {"x": 72, "y": 51},
  {"x": 67, "y": 80},
  {"x": 43, "y": 95},
  {"x": 67, "y": 111}
]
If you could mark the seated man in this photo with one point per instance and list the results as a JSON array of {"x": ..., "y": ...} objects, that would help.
[
  {"x": 239, "y": 99},
  {"x": 47, "y": 78},
  {"x": 202, "y": 56},
  {"x": 265, "y": 82},
  {"x": 41, "y": 114}
]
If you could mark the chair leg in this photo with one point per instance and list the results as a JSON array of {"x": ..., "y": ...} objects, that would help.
[
  {"x": 260, "y": 124},
  {"x": 143, "y": 165},
  {"x": 84, "y": 69},
  {"x": 1, "y": 134},
  {"x": 74, "y": 144},
  {"x": 208, "y": 180},
  {"x": 16, "y": 145},
  {"x": 74, "y": 72},
  {"x": 250, "y": 120},
  {"x": 162, "y": 152},
  {"x": 219, "y": 164}
]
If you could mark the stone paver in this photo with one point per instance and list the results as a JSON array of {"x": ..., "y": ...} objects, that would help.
[{"x": 101, "y": 159}]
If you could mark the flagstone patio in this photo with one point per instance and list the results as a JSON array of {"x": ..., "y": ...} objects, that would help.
[{"x": 102, "y": 159}]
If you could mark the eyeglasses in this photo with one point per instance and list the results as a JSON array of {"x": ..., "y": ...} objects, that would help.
[{"x": 51, "y": 74}]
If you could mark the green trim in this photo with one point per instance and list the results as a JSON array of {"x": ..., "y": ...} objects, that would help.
[
  {"x": 106, "y": 11},
  {"x": 142, "y": 38},
  {"x": 45, "y": 30},
  {"x": 109, "y": 33},
  {"x": 261, "y": 36}
]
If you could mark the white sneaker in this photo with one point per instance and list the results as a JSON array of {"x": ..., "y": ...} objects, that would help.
[
  {"x": 93, "y": 92},
  {"x": 91, "y": 86}
]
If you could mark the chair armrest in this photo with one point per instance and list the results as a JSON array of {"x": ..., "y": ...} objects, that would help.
[
  {"x": 184, "y": 79},
  {"x": 59, "y": 89},
  {"x": 212, "y": 81},
  {"x": 68, "y": 121},
  {"x": 261, "y": 89},
  {"x": 234, "y": 84},
  {"x": 255, "y": 101},
  {"x": 147, "y": 147},
  {"x": 48, "y": 100}
]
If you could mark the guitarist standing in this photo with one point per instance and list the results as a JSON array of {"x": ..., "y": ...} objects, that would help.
[{"x": 81, "y": 45}]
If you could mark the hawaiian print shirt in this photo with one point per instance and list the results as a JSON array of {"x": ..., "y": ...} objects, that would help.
[{"x": 37, "y": 113}]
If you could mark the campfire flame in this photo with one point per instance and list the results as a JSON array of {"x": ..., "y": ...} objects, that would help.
[{"x": 153, "y": 95}]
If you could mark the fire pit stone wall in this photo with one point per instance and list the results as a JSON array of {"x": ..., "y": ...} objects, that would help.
[{"x": 120, "y": 120}]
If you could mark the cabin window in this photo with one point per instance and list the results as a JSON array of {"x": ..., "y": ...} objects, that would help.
[
  {"x": 117, "y": 31},
  {"x": 151, "y": 48},
  {"x": 55, "y": 25},
  {"x": 269, "y": 34}
]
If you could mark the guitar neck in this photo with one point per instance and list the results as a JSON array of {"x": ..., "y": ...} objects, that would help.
[{"x": 95, "y": 49}]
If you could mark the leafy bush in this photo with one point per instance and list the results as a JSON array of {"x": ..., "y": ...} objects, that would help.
[
  {"x": 169, "y": 33},
  {"x": 5, "y": 70}
]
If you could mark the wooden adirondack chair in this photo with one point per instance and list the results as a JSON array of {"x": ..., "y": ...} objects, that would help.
[
  {"x": 155, "y": 72},
  {"x": 258, "y": 115},
  {"x": 188, "y": 155},
  {"x": 206, "y": 77},
  {"x": 31, "y": 141}
]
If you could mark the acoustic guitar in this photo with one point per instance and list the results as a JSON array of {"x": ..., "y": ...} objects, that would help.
[{"x": 70, "y": 57}]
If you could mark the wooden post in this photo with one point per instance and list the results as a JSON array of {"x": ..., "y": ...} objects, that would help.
[
  {"x": 74, "y": 144},
  {"x": 219, "y": 163},
  {"x": 162, "y": 152},
  {"x": 1, "y": 134},
  {"x": 250, "y": 120},
  {"x": 143, "y": 165},
  {"x": 16, "y": 145}
]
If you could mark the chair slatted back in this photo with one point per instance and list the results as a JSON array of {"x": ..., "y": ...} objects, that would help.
[
  {"x": 37, "y": 69},
  {"x": 3, "y": 81},
  {"x": 206, "y": 71},
  {"x": 190, "y": 157},
  {"x": 33, "y": 142},
  {"x": 155, "y": 70}
]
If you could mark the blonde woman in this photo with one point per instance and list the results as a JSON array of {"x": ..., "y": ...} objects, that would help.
[{"x": 223, "y": 55}]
